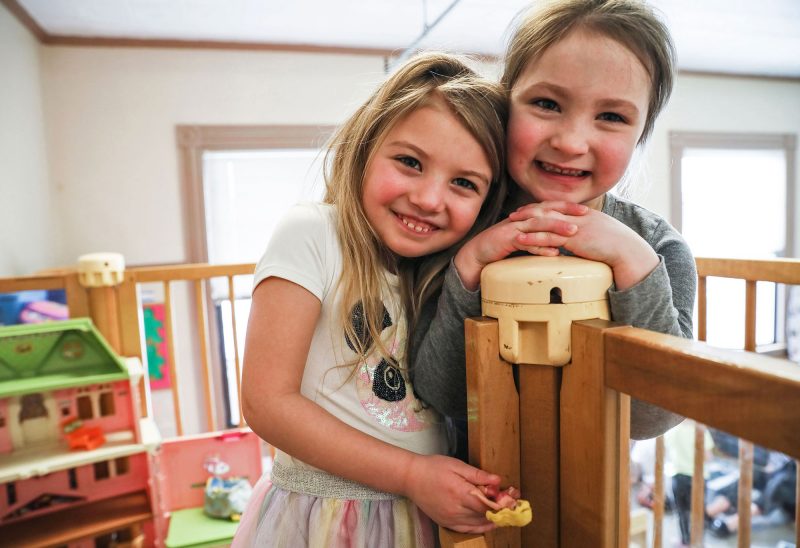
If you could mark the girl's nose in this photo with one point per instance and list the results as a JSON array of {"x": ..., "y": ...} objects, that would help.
[
  {"x": 428, "y": 195},
  {"x": 571, "y": 138}
]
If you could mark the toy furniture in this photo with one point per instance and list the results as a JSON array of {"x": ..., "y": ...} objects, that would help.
[
  {"x": 72, "y": 445},
  {"x": 181, "y": 475},
  {"x": 562, "y": 432}
]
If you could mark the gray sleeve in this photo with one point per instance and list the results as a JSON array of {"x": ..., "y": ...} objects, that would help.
[
  {"x": 438, "y": 355},
  {"x": 662, "y": 302}
]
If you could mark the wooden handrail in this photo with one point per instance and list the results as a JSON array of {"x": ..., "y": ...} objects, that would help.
[
  {"x": 188, "y": 272},
  {"x": 734, "y": 391},
  {"x": 785, "y": 271}
]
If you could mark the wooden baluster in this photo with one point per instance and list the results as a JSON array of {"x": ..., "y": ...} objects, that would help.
[
  {"x": 132, "y": 342},
  {"x": 658, "y": 494},
  {"x": 745, "y": 447},
  {"x": 232, "y": 299},
  {"x": 539, "y": 387},
  {"x": 77, "y": 296},
  {"x": 104, "y": 309},
  {"x": 698, "y": 487},
  {"x": 493, "y": 415},
  {"x": 595, "y": 424},
  {"x": 702, "y": 303},
  {"x": 451, "y": 539},
  {"x": 173, "y": 366},
  {"x": 797, "y": 506},
  {"x": 202, "y": 336}
]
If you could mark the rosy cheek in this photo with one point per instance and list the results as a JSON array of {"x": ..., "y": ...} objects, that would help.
[{"x": 616, "y": 157}]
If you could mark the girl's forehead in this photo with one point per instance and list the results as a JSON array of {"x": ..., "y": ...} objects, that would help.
[{"x": 583, "y": 57}]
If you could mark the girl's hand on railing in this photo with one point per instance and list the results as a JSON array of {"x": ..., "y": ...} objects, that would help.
[{"x": 442, "y": 488}]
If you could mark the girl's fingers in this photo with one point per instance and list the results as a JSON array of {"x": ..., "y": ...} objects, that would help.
[
  {"x": 567, "y": 208},
  {"x": 541, "y": 239},
  {"x": 546, "y": 224}
]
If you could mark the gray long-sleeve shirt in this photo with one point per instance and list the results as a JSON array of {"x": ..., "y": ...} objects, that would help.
[{"x": 663, "y": 302}]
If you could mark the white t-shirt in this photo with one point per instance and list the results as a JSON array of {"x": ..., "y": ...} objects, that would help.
[{"x": 378, "y": 399}]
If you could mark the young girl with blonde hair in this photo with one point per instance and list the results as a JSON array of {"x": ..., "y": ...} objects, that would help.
[{"x": 415, "y": 171}]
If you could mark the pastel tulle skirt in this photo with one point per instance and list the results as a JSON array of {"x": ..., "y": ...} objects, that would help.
[{"x": 279, "y": 518}]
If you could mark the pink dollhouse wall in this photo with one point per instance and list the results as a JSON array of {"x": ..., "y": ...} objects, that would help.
[
  {"x": 5, "y": 436},
  {"x": 112, "y": 409},
  {"x": 181, "y": 474},
  {"x": 120, "y": 419},
  {"x": 83, "y": 484}
]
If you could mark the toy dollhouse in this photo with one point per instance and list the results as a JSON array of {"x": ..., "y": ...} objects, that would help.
[{"x": 74, "y": 451}]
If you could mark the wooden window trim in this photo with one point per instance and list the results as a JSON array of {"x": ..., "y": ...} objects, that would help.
[
  {"x": 680, "y": 140},
  {"x": 193, "y": 140}
]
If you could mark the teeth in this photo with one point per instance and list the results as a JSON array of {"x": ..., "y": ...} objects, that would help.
[
  {"x": 414, "y": 227},
  {"x": 553, "y": 169}
]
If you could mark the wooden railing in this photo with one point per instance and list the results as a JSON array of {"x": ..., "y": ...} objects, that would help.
[
  {"x": 118, "y": 314},
  {"x": 563, "y": 435}
]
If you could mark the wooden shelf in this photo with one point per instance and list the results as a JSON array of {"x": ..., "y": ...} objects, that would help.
[{"x": 96, "y": 518}]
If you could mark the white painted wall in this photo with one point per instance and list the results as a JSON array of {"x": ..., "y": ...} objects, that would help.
[
  {"x": 720, "y": 104},
  {"x": 28, "y": 235},
  {"x": 112, "y": 114}
]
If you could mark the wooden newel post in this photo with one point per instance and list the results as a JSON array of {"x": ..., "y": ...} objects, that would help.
[
  {"x": 100, "y": 274},
  {"x": 535, "y": 301}
]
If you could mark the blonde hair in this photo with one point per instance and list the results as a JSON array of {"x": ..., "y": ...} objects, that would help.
[
  {"x": 480, "y": 105},
  {"x": 632, "y": 23}
]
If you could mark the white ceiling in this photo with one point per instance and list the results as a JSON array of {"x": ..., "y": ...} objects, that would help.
[{"x": 760, "y": 37}]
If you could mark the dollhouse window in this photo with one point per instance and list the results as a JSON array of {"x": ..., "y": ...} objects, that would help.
[
  {"x": 2, "y": 421},
  {"x": 73, "y": 478},
  {"x": 85, "y": 410},
  {"x": 122, "y": 466},
  {"x": 106, "y": 404},
  {"x": 11, "y": 493},
  {"x": 102, "y": 470},
  {"x": 32, "y": 407}
]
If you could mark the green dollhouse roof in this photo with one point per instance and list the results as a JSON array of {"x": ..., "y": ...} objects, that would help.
[{"x": 55, "y": 355}]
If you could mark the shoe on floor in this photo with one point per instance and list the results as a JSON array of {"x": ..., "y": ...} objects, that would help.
[{"x": 719, "y": 529}]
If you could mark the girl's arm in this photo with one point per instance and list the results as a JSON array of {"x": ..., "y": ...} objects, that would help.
[
  {"x": 437, "y": 346},
  {"x": 281, "y": 325},
  {"x": 654, "y": 283}
]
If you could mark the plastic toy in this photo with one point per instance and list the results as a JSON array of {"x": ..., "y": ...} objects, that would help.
[
  {"x": 507, "y": 509},
  {"x": 225, "y": 497},
  {"x": 74, "y": 452},
  {"x": 80, "y": 436}
]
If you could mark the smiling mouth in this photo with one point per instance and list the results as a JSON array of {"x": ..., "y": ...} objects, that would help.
[
  {"x": 417, "y": 225},
  {"x": 551, "y": 168}
]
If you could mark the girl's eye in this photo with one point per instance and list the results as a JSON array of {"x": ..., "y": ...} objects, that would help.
[
  {"x": 409, "y": 161},
  {"x": 611, "y": 117},
  {"x": 465, "y": 183},
  {"x": 546, "y": 104}
]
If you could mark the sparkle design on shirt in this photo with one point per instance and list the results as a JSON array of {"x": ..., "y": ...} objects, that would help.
[{"x": 382, "y": 384}]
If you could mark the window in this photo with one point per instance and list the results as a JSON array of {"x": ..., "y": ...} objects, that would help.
[
  {"x": 102, "y": 470},
  {"x": 122, "y": 466},
  {"x": 238, "y": 182},
  {"x": 733, "y": 198},
  {"x": 11, "y": 493},
  {"x": 107, "y": 404},
  {"x": 85, "y": 408},
  {"x": 73, "y": 478}
]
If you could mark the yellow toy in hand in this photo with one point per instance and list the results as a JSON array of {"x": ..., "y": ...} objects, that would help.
[
  {"x": 507, "y": 509},
  {"x": 519, "y": 516}
]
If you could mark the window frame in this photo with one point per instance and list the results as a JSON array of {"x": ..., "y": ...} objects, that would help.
[
  {"x": 194, "y": 140},
  {"x": 681, "y": 140}
]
